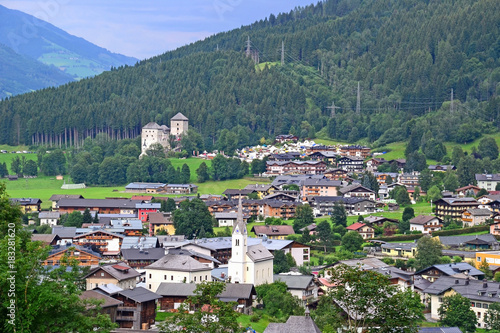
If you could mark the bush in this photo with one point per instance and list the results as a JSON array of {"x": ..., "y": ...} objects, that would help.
[
  {"x": 255, "y": 318},
  {"x": 388, "y": 261}
]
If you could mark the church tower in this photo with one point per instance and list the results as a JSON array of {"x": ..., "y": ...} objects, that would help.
[{"x": 238, "y": 262}]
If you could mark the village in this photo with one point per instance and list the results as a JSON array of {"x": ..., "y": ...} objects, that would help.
[{"x": 319, "y": 209}]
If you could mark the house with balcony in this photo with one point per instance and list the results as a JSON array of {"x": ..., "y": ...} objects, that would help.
[
  {"x": 475, "y": 216},
  {"x": 140, "y": 258},
  {"x": 119, "y": 274},
  {"x": 304, "y": 287},
  {"x": 109, "y": 305},
  {"x": 363, "y": 229},
  {"x": 353, "y": 206},
  {"x": 320, "y": 187},
  {"x": 460, "y": 270},
  {"x": 407, "y": 250},
  {"x": 454, "y": 207},
  {"x": 101, "y": 240},
  {"x": 425, "y": 224},
  {"x": 160, "y": 221},
  {"x": 355, "y": 150},
  {"x": 138, "y": 310},
  {"x": 357, "y": 191},
  {"x": 295, "y": 167},
  {"x": 351, "y": 163},
  {"x": 27, "y": 205},
  {"x": 181, "y": 189},
  {"x": 410, "y": 179},
  {"x": 59, "y": 255},
  {"x": 488, "y": 181},
  {"x": 336, "y": 174}
]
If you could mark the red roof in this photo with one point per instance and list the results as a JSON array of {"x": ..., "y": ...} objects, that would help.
[
  {"x": 120, "y": 267},
  {"x": 356, "y": 226},
  {"x": 142, "y": 197}
]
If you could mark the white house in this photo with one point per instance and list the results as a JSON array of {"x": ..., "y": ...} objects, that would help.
[
  {"x": 176, "y": 268},
  {"x": 50, "y": 218},
  {"x": 425, "y": 223}
]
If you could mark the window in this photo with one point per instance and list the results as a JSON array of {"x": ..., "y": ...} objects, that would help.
[
  {"x": 150, "y": 275},
  {"x": 171, "y": 278},
  {"x": 165, "y": 277},
  {"x": 102, "y": 274},
  {"x": 149, "y": 286},
  {"x": 195, "y": 279}
]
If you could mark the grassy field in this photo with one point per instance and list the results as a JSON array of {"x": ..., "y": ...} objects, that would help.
[
  {"x": 192, "y": 163},
  {"x": 7, "y": 158}
]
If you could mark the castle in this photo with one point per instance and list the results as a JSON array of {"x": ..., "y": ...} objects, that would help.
[{"x": 154, "y": 133}]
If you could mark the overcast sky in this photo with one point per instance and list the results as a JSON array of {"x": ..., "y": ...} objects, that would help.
[{"x": 145, "y": 28}]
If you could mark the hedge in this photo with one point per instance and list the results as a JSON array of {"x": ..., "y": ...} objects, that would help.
[{"x": 454, "y": 232}]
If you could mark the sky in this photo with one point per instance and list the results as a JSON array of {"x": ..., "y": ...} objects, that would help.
[{"x": 145, "y": 28}]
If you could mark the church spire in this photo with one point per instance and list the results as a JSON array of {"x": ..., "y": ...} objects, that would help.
[{"x": 240, "y": 227}]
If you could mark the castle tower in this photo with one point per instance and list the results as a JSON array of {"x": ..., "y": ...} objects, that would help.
[
  {"x": 154, "y": 133},
  {"x": 179, "y": 124},
  {"x": 238, "y": 262}
]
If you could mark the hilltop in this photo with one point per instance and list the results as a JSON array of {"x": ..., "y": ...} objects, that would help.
[{"x": 407, "y": 57}]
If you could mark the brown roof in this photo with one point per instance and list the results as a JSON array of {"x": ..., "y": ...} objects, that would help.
[
  {"x": 159, "y": 218},
  {"x": 45, "y": 238},
  {"x": 422, "y": 219},
  {"x": 120, "y": 271},
  {"x": 273, "y": 230},
  {"x": 108, "y": 301}
]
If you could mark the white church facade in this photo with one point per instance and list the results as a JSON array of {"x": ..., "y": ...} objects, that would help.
[
  {"x": 153, "y": 133},
  {"x": 248, "y": 264}
]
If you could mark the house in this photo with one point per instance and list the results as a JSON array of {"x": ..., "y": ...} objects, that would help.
[
  {"x": 304, "y": 287},
  {"x": 101, "y": 206},
  {"x": 49, "y": 218},
  {"x": 425, "y": 224},
  {"x": 174, "y": 294},
  {"x": 118, "y": 274},
  {"x": 351, "y": 163},
  {"x": 295, "y": 167},
  {"x": 373, "y": 163},
  {"x": 142, "y": 242},
  {"x": 66, "y": 234},
  {"x": 441, "y": 168},
  {"x": 234, "y": 194},
  {"x": 495, "y": 227},
  {"x": 100, "y": 240},
  {"x": 181, "y": 189},
  {"x": 471, "y": 242},
  {"x": 475, "y": 216},
  {"x": 410, "y": 179},
  {"x": 202, "y": 258},
  {"x": 262, "y": 190},
  {"x": 108, "y": 305},
  {"x": 176, "y": 268},
  {"x": 279, "y": 181},
  {"x": 407, "y": 250},
  {"x": 56, "y": 197},
  {"x": 327, "y": 156},
  {"x": 84, "y": 256},
  {"x": 460, "y": 270},
  {"x": 488, "y": 181},
  {"x": 248, "y": 263},
  {"x": 140, "y": 258},
  {"x": 285, "y": 138},
  {"x": 382, "y": 177},
  {"x": 161, "y": 221},
  {"x": 138, "y": 310},
  {"x": 363, "y": 229},
  {"x": 354, "y": 206},
  {"x": 46, "y": 239},
  {"x": 27, "y": 205},
  {"x": 294, "y": 324},
  {"x": 468, "y": 191},
  {"x": 491, "y": 257},
  {"x": 275, "y": 208},
  {"x": 357, "y": 191},
  {"x": 378, "y": 221},
  {"x": 143, "y": 209},
  {"x": 480, "y": 293},
  {"x": 273, "y": 231},
  {"x": 290, "y": 156},
  {"x": 336, "y": 174},
  {"x": 320, "y": 187},
  {"x": 143, "y": 198},
  {"x": 226, "y": 219},
  {"x": 286, "y": 196},
  {"x": 454, "y": 207},
  {"x": 145, "y": 188},
  {"x": 355, "y": 150},
  {"x": 128, "y": 227}
]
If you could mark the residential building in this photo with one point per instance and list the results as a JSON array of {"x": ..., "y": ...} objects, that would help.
[
  {"x": 351, "y": 163},
  {"x": 491, "y": 257},
  {"x": 441, "y": 168},
  {"x": 161, "y": 221},
  {"x": 226, "y": 219},
  {"x": 56, "y": 197},
  {"x": 142, "y": 242},
  {"x": 470, "y": 242},
  {"x": 138, "y": 310},
  {"x": 495, "y": 227},
  {"x": 290, "y": 156},
  {"x": 101, "y": 206},
  {"x": 27, "y": 205},
  {"x": 373, "y": 163},
  {"x": 275, "y": 208},
  {"x": 336, "y": 174},
  {"x": 143, "y": 209},
  {"x": 108, "y": 305},
  {"x": 145, "y": 187},
  {"x": 103, "y": 241},
  {"x": 454, "y": 207},
  {"x": 49, "y": 218},
  {"x": 304, "y": 287},
  {"x": 202, "y": 258},
  {"x": 262, "y": 190},
  {"x": 47, "y": 239},
  {"x": 480, "y": 293},
  {"x": 84, "y": 256},
  {"x": 176, "y": 268},
  {"x": 354, "y": 206},
  {"x": 295, "y": 167},
  {"x": 355, "y": 150},
  {"x": 140, "y": 258},
  {"x": 425, "y": 224},
  {"x": 285, "y": 138},
  {"x": 118, "y": 274},
  {"x": 475, "y": 216},
  {"x": 468, "y": 191},
  {"x": 329, "y": 157},
  {"x": 279, "y": 181},
  {"x": 410, "y": 179},
  {"x": 235, "y": 194},
  {"x": 363, "y": 229},
  {"x": 357, "y": 191},
  {"x": 294, "y": 324},
  {"x": 488, "y": 181},
  {"x": 181, "y": 188},
  {"x": 459, "y": 270},
  {"x": 320, "y": 187},
  {"x": 407, "y": 250},
  {"x": 378, "y": 221},
  {"x": 273, "y": 231}
]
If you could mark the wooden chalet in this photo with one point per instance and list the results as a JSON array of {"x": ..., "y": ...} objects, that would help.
[
  {"x": 84, "y": 256},
  {"x": 100, "y": 240},
  {"x": 138, "y": 310}
]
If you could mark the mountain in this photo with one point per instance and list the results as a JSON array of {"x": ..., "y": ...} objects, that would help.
[
  {"x": 20, "y": 73},
  {"x": 41, "y": 41},
  {"x": 406, "y": 57}
]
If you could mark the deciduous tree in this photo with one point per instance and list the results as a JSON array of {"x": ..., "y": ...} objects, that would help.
[{"x": 456, "y": 311}]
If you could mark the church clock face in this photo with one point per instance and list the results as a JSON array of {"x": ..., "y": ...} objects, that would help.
[{"x": 237, "y": 229}]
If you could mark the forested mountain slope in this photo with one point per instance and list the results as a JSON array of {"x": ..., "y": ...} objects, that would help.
[{"x": 406, "y": 55}]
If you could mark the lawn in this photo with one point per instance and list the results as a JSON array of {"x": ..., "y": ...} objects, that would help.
[
  {"x": 7, "y": 158},
  {"x": 259, "y": 326},
  {"x": 192, "y": 163}
]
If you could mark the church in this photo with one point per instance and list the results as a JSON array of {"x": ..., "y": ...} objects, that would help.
[
  {"x": 154, "y": 133},
  {"x": 248, "y": 264}
]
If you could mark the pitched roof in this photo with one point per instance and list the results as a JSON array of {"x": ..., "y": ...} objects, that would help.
[
  {"x": 108, "y": 301},
  {"x": 57, "y": 197},
  {"x": 488, "y": 177},
  {"x": 179, "y": 116},
  {"x": 64, "y": 232},
  {"x": 422, "y": 219},
  {"x": 294, "y": 281},
  {"x": 135, "y": 242},
  {"x": 356, "y": 226},
  {"x": 458, "y": 240},
  {"x": 232, "y": 290},
  {"x": 352, "y": 187},
  {"x": 98, "y": 203},
  {"x": 273, "y": 230},
  {"x": 145, "y": 254},
  {"x": 475, "y": 290},
  {"x": 453, "y": 269},
  {"x": 151, "y": 125},
  {"x": 258, "y": 253},
  {"x": 120, "y": 271},
  {"x": 49, "y": 215},
  {"x": 480, "y": 212},
  {"x": 294, "y": 324},
  {"x": 173, "y": 262},
  {"x": 139, "y": 294},
  {"x": 191, "y": 253},
  {"x": 45, "y": 238},
  {"x": 108, "y": 289}
]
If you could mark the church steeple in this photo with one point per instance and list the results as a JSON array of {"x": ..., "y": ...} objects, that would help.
[
  {"x": 241, "y": 227},
  {"x": 237, "y": 264}
]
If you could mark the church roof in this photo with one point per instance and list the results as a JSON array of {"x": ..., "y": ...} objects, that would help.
[
  {"x": 259, "y": 253},
  {"x": 179, "y": 116}
]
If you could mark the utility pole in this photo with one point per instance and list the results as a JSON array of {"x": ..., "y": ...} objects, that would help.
[
  {"x": 248, "y": 47},
  {"x": 282, "y": 53},
  {"x": 358, "y": 101},
  {"x": 332, "y": 108},
  {"x": 451, "y": 99}
]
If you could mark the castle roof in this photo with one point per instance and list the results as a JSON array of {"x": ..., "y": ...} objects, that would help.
[
  {"x": 152, "y": 125},
  {"x": 179, "y": 116}
]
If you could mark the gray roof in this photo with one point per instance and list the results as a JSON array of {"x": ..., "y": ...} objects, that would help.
[
  {"x": 139, "y": 294},
  {"x": 294, "y": 324},
  {"x": 480, "y": 212},
  {"x": 143, "y": 186},
  {"x": 422, "y": 219},
  {"x": 98, "y": 203},
  {"x": 322, "y": 182},
  {"x": 231, "y": 291},
  {"x": 176, "y": 289},
  {"x": 273, "y": 230},
  {"x": 488, "y": 177},
  {"x": 353, "y": 187},
  {"x": 294, "y": 179},
  {"x": 136, "y": 242},
  {"x": 294, "y": 281},
  {"x": 182, "y": 263},
  {"x": 151, "y": 205},
  {"x": 476, "y": 290},
  {"x": 459, "y": 240},
  {"x": 439, "y": 330},
  {"x": 151, "y": 125},
  {"x": 146, "y": 254},
  {"x": 258, "y": 253},
  {"x": 460, "y": 201},
  {"x": 64, "y": 232},
  {"x": 49, "y": 215},
  {"x": 57, "y": 197},
  {"x": 108, "y": 301},
  {"x": 453, "y": 269},
  {"x": 364, "y": 263},
  {"x": 221, "y": 243},
  {"x": 259, "y": 187},
  {"x": 179, "y": 116},
  {"x": 191, "y": 253},
  {"x": 399, "y": 246},
  {"x": 108, "y": 289}
]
